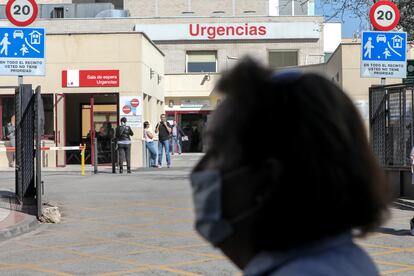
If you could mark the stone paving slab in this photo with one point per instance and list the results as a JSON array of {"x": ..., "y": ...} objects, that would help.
[{"x": 142, "y": 224}]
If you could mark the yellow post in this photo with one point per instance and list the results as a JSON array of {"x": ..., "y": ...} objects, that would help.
[{"x": 83, "y": 147}]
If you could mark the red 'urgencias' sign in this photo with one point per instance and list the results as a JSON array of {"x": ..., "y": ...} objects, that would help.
[
  {"x": 90, "y": 78},
  {"x": 215, "y": 32}
]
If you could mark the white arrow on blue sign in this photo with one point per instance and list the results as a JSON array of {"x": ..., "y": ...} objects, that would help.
[
  {"x": 22, "y": 51},
  {"x": 384, "y": 55}
]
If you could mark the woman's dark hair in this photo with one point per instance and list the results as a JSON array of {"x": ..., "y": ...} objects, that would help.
[
  {"x": 330, "y": 181},
  {"x": 146, "y": 124},
  {"x": 123, "y": 120}
]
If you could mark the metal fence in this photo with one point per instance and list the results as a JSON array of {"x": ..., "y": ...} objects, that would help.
[
  {"x": 391, "y": 124},
  {"x": 24, "y": 106}
]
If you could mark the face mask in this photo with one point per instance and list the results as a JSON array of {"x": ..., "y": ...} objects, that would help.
[
  {"x": 207, "y": 196},
  {"x": 207, "y": 204}
]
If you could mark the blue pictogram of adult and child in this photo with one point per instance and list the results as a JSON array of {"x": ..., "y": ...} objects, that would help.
[
  {"x": 381, "y": 46},
  {"x": 21, "y": 43}
]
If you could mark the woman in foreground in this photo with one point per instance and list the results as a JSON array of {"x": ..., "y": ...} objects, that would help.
[{"x": 288, "y": 178}]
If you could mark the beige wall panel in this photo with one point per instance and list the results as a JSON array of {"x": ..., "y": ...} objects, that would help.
[{"x": 193, "y": 85}]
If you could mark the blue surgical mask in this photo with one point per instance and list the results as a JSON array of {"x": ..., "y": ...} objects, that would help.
[
  {"x": 207, "y": 186},
  {"x": 209, "y": 222}
]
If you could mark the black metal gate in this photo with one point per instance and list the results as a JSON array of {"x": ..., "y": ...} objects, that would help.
[
  {"x": 29, "y": 128},
  {"x": 391, "y": 133},
  {"x": 24, "y": 142}
]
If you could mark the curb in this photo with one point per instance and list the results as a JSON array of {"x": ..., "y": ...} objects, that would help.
[{"x": 28, "y": 224}]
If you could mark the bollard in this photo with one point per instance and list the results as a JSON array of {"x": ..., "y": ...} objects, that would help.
[
  {"x": 83, "y": 147},
  {"x": 95, "y": 156},
  {"x": 113, "y": 155}
]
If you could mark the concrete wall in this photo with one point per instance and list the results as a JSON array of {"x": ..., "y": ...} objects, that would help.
[
  {"x": 146, "y": 8},
  {"x": 118, "y": 4},
  {"x": 70, "y": 10},
  {"x": 190, "y": 85},
  {"x": 310, "y": 50},
  {"x": 44, "y": 1},
  {"x": 344, "y": 69}
]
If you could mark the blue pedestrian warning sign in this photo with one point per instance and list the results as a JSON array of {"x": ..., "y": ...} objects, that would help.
[
  {"x": 22, "y": 51},
  {"x": 384, "y": 55}
]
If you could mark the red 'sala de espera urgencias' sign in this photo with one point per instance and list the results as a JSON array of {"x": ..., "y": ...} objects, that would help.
[
  {"x": 90, "y": 78},
  {"x": 22, "y": 12}
]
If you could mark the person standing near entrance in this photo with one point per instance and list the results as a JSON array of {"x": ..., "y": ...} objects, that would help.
[
  {"x": 123, "y": 137},
  {"x": 177, "y": 134},
  {"x": 164, "y": 130},
  {"x": 149, "y": 144},
  {"x": 11, "y": 136}
]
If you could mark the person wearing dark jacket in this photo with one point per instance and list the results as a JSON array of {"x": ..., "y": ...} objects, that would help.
[
  {"x": 177, "y": 134},
  {"x": 164, "y": 130},
  {"x": 123, "y": 137},
  {"x": 241, "y": 194}
]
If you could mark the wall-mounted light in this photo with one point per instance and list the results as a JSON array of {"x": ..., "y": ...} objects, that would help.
[
  {"x": 205, "y": 78},
  {"x": 171, "y": 104}
]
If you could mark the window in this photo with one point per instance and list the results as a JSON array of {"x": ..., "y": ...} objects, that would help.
[
  {"x": 58, "y": 12},
  {"x": 301, "y": 7},
  {"x": 201, "y": 61},
  {"x": 285, "y": 7},
  {"x": 7, "y": 112},
  {"x": 280, "y": 59},
  {"x": 293, "y": 7}
]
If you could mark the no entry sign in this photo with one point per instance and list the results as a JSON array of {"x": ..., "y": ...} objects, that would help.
[
  {"x": 131, "y": 108},
  {"x": 135, "y": 102},
  {"x": 384, "y": 15},
  {"x": 126, "y": 109},
  {"x": 21, "y": 12}
]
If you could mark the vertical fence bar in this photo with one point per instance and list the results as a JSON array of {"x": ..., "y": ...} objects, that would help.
[
  {"x": 113, "y": 156},
  {"x": 95, "y": 157}
]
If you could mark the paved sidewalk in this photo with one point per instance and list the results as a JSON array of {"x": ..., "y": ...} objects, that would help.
[{"x": 142, "y": 224}]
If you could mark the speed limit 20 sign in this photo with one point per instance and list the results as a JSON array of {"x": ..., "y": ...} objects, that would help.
[
  {"x": 21, "y": 12},
  {"x": 384, "y": 15}
]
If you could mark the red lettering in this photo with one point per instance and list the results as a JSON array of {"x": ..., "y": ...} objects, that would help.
[
  {"x": 196, "y": 31},
  {"x": 203, "y": 28},
  {"x": 230, "y": 29},
  {"x": 211, "y": 31},
  {"x": 253, "y": 30},
  {"x": 262, "y": 30},
  {"x": 239, "y": 30},
  {"x": 221, "y": 31}
]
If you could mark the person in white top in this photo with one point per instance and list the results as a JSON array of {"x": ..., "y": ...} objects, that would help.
[{"x": 149, "y": 144}]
